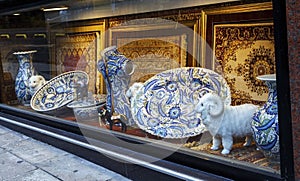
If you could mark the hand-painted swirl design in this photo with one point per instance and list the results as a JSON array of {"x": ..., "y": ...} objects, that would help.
[
  {"x": 164, "y": 106},
  {"x": 265, "y": 120},
  {"x": 58, "y": 91},
  {"x": 25, "y": 71},
  {"x": 116, "y": 70}
]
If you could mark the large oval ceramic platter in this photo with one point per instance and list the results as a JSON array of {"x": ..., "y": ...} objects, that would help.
[
  {"x": 164, "y": 105},
  {"x": 58, "y": 91}
]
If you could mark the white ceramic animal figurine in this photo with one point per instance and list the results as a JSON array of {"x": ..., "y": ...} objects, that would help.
[
  {"x": 225, "y": 122},
  {"x": 133, "y": 89},
  {"x": 35, "y": 82}
]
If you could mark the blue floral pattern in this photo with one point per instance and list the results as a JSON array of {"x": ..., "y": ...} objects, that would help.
[
  {"x": 265, "y": 122},
  {"x": 113, "y": 69},
  {"x": 86, "y": 110},
  {"x": 57, "y": 92},
  {"x": 25, "y": 71},
  {"x": 164, "y": 106}
]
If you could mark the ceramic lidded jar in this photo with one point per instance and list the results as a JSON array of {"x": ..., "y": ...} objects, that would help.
[
  {"x": 265, "y": 121},
  {"x": 25, "y": 71},
  {"x": 117, "y": 70}
]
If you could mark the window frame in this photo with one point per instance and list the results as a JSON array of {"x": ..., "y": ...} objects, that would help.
[{"x": 218, "y": 167}]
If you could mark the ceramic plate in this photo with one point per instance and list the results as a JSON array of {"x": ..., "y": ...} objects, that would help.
[
  {"x": 164, "y": 106},
  {"x": 57, "y": 92}
]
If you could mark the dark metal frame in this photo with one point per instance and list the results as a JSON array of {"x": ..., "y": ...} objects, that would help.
[{"x": 283, "y": 89}]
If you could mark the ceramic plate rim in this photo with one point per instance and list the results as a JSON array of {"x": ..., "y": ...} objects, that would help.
[
  {"x": 85, "y": 106},
  {"x": 49, "y": 82}
]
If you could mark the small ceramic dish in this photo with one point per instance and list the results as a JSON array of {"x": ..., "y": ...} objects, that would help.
[
  {"x": 86, "y": 110},
  {"x": 57, "y": 92}
]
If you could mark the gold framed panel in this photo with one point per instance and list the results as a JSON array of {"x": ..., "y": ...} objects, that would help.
[
  {"x": 236, "y": 36},
  {"x": 243, "y": 52},
  {"x": 78, "y": 52},
  {"x": 156, "y": 45},
  {"x": 259, "y": 12},
  {"x": 78, "y": 48}
]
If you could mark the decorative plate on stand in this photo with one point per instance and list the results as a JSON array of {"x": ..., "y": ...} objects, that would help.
[
  {"x": 58, "y": 91},
  {"x": 164, "y": 106}
]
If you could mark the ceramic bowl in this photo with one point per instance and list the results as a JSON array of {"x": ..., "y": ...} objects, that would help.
[
  {"x": 87, "y": 110},
  {"x": 57, "y": 92}
]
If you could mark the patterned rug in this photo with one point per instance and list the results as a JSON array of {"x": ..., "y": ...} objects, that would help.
[
  {"x": 153, "y": 55},
  {"x": 78, "y": 52},
  {"x": 243, "y": 52}
]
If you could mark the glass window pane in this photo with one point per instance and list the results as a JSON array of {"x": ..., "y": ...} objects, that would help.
[{"x": 195, "y": 78}]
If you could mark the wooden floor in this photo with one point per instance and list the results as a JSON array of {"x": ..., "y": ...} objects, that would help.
[{"x": 248, "y": 154}]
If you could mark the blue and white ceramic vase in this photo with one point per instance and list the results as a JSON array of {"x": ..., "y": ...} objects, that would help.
[
  {"x": 25, "y": 71},
  {"x": 265, "y": 121},
  {"x": 116, "y": 70}
]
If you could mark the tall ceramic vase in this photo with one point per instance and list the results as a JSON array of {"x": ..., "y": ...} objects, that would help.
[
  {"x": 265, "y": 121},
  {"x": 117, "y": 70},
  {"x": 25, "y": 71}
]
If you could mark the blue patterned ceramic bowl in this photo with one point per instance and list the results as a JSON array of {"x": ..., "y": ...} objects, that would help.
[
  {"x": 57, "y": 92},
  {"x": 164, "y": 106},
  {"x": 86, "y": 110}
]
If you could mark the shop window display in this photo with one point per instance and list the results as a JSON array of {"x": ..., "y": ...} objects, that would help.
[{"x": 144, "y": 75}]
